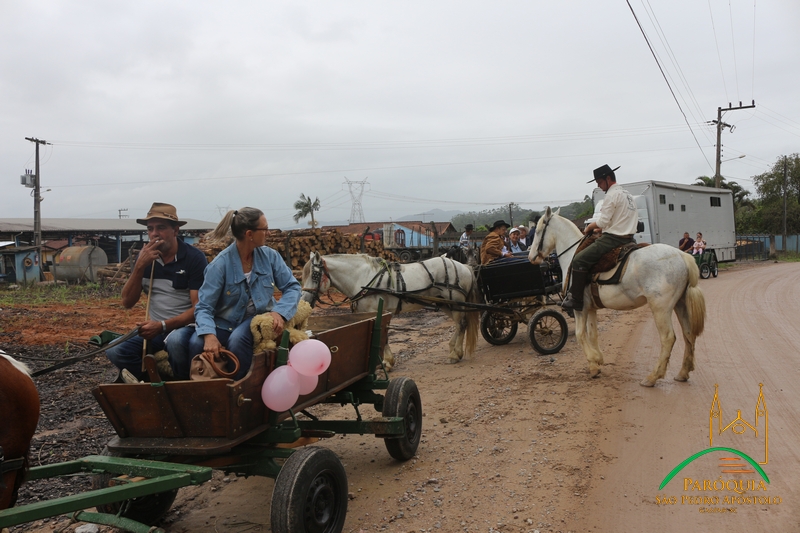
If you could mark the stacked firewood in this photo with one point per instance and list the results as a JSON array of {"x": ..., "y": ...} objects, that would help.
[
  {"x": 117, "y": 273},
  {"x": 295, "y": 246}
]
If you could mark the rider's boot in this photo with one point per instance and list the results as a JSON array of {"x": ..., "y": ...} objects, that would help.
[{"x": 574, "y": 300}]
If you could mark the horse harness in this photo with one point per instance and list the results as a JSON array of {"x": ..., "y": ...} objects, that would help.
[
  {"x": 318, "y": 270},
  {"x": 9, "y": 465}
]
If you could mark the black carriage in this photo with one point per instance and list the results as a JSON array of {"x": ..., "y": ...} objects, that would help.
[{"x": 518, "y": 291}]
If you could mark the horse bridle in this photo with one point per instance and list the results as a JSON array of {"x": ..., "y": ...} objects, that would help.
[
  {"x": 318, "y": 273},
  {"x": 539, "y": 253}
]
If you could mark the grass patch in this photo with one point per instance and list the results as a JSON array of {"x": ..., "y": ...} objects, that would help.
[
  {"x": 48, "y": 293},
  {"x": 789, "y": 257}
]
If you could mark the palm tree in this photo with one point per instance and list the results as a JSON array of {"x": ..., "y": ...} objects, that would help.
[
  {"x": 740, "y": 195},
  {"x": 305, "y": 207}
]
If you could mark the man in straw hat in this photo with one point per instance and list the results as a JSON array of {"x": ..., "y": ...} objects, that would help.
[
  {"x": 616, "y": 223},
  {"x": 176, "y": 272},
  {"x": 494, "y": 244}
]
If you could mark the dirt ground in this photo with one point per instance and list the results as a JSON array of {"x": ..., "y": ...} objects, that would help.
[{"x": 512, "y": 441}]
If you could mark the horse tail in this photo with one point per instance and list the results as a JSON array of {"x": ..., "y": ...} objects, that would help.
[
  {"x": 695, "y": 301},
  {"x": 473, "y": 318}
]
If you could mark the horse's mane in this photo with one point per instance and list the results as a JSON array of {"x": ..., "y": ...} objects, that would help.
[{"x": 22, "y": 367}]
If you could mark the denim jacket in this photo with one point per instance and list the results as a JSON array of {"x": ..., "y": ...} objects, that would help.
[{"x": 223, "y": 296}]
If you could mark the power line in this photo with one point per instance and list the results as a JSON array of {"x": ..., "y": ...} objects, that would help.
[{"x": 667, "y": 81}]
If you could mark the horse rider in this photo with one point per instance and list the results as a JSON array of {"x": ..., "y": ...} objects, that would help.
[
  {"x": 176, "y": 280},
  {"x": 494, "y": 244},
  {"x": 616, "y": 224}
]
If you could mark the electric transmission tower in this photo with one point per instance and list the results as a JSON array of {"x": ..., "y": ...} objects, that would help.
[{"x": 356, "y": 192}]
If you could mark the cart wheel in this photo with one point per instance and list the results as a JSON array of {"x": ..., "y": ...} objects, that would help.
[
  {"x": 547, "y": 331},
  {"x": 714, "y": 269},
  {"x": 310, "y": 494},
  {"x": 498, "y": 328},
  {"x": 146, "y": 509},
  {"x": 705, "y": 271},
  {"x": 403, "y": 400}
]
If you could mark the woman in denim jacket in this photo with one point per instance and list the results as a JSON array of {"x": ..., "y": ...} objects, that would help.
[{"x": 238, "y": 285}]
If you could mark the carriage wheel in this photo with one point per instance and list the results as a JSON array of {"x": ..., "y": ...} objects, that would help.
[
  {"x": 403, "y": 400},
  {"x": 145, "y": 509},
  {"x": 310, "y": 494},
  {"x": 498, "y": 328},
  {"x": 714, "y": 269},
  {"x": 705, "y": 271},
  {"x": 548, "y": 331}
]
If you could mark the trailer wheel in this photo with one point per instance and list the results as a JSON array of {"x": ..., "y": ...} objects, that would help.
[
  {"x": 498, "y": 328},
  {"x": 310, "y": 494},
  {"x": 705, "y": 271},
  {"x": 406, "y": 256},
  {"x": 714, "y": 269},
  {"x": 403, "y": 400},
  {"x": 548, "y": 331},
  {"x": 146, "y": 509}
]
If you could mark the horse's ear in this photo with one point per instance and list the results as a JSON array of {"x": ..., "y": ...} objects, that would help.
[
  {"x": 558, "y": 211},
  {"x": 548, "y": 212}
]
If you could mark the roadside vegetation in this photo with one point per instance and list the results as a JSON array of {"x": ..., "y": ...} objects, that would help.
[{"x": 48, "y": 293}]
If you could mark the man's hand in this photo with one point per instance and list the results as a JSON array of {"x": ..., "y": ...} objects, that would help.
[
  {"x": 150, "y": 329},
  {"x": 592, "y": 228},
  {"x": 150, "y": 252}
]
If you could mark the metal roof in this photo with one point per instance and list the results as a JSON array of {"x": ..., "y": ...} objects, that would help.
[{"x": 101, "y": 225}]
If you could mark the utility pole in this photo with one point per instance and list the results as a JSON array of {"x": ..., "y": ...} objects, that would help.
[
  {"x": 720, "y": 126},
  {"x": 37, "y": 200},
  {"x": 785, "y": 194}
]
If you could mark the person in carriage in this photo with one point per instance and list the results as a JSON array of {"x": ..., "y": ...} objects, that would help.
[
  {"x": 176, "y": 272},
  {"x": 616, "y": 225},
  {"x": 494, "y": 244},
  {"x": 515, "y": 242}
]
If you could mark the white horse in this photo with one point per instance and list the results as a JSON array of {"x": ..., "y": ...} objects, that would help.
[
  {"x": 438, "y": 281},
  {"x": 659, "y": 275}
]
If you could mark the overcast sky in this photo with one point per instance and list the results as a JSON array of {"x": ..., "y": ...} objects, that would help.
[{"x": 449, "y": 105}]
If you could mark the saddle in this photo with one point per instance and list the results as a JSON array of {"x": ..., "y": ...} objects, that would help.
[{"x": 617, "y": 257}]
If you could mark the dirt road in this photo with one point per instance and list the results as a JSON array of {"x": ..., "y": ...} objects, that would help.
[
  {"x": 517, "y": 442},
  {"x": 751, "y": 338}
]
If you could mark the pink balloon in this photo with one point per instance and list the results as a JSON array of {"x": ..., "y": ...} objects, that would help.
[
  {"x": 281, "y": 389},
  {"x": 307, "y": 383},
  {"x": 310, "y": 357}
]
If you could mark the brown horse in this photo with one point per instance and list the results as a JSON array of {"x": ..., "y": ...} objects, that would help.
[{"x": 19, "y": 415}]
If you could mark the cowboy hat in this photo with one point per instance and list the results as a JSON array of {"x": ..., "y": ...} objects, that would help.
[
  {"x": 499, "y": 223},
  {"x": 162, "y": 211},
  {"x": 602, "y": 172}
]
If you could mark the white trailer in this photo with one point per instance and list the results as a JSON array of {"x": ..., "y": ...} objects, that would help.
[{"x": 667, "y": 210}]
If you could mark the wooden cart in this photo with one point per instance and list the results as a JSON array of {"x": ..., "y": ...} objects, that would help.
[{"x": 224, "y": 424}]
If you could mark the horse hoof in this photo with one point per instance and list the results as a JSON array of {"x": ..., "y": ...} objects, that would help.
[
  {"x": 681, "y": 378},
  {"x": 646, "y": 383},
  {"x": 594, "y": 373},
  {"x": 453, "y": 360}
]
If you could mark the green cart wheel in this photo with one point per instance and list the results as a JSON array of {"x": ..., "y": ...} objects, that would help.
[
  {"x": 403, "y": 400},
  {"x": 310, "y": 494},
  {"x": 145, "y": 509}
]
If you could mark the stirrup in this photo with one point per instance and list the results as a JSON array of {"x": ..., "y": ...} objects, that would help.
[{"x": 570, "y": 304}]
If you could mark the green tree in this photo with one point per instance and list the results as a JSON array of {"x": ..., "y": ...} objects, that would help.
[
  {"x": 771, "y": 185},
  {"x": 305, "y": 207}
]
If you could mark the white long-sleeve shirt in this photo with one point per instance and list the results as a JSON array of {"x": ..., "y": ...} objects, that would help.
[{"x": 618, "y": 215}]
